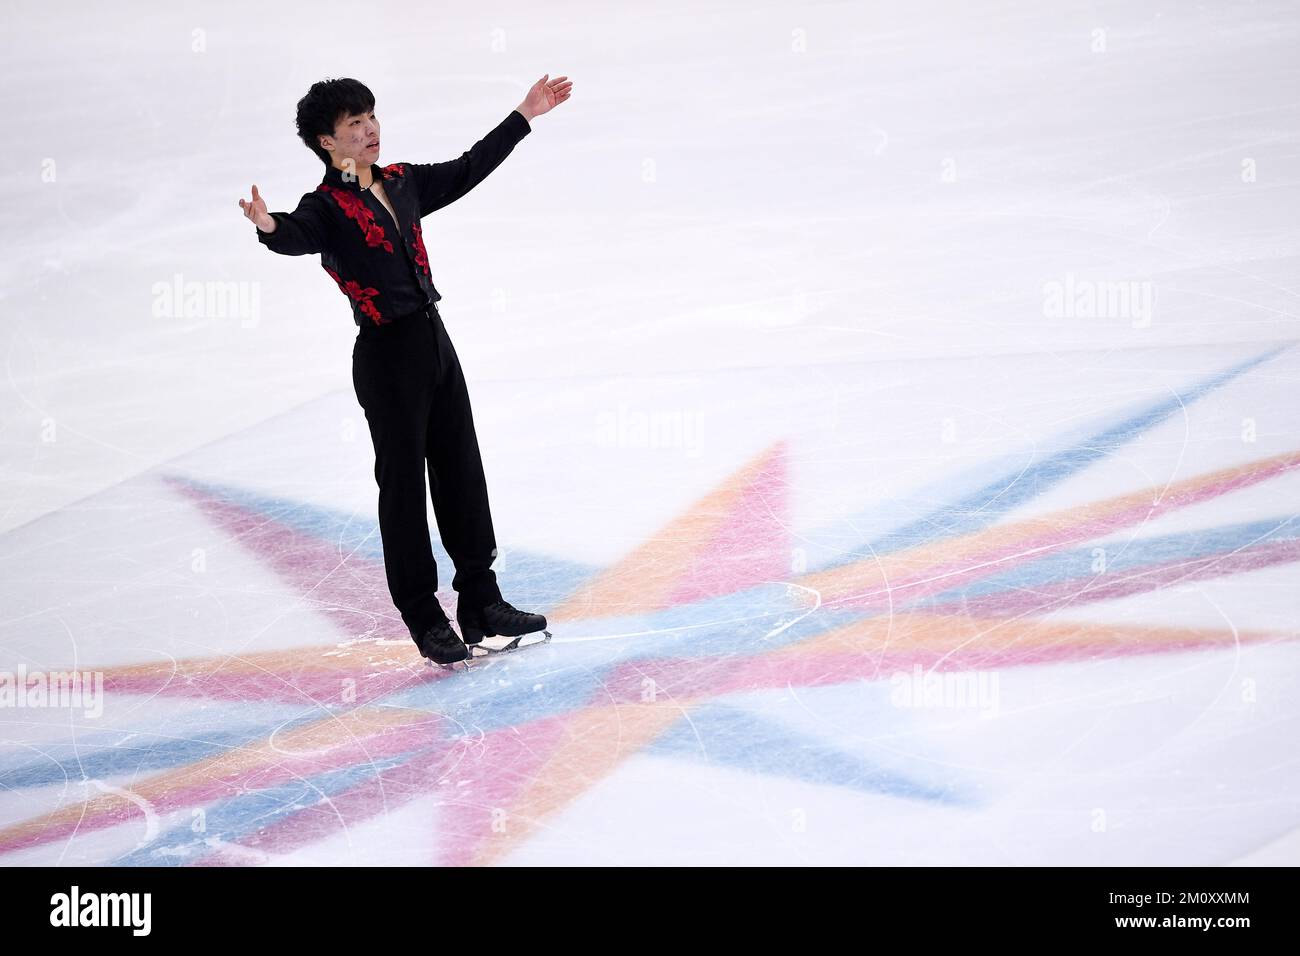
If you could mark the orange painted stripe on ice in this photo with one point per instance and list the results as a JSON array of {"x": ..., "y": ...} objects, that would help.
[
  {"x": 644, "y": 580},
  {"x": 349, "y": 658},
  {"x": 955, "y": 632},
  {"x": 308, "y": 742},
  {"x": 598, "y": 740},
  {"x": 876, "y": 577}
]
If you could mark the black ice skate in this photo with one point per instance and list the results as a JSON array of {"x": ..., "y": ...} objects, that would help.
[
  {"x": 441, "y": 645},
  {"x": 498, "y": 619}
]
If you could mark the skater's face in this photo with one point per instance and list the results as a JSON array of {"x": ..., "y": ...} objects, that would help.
[{"x": 355, "y": 138}]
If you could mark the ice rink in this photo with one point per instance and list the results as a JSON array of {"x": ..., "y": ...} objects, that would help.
[{"x": 892, "y": 408}]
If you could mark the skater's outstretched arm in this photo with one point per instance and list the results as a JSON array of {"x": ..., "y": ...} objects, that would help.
[
  {"x": 296, "y": 233},
  {"x": 440, "y": 184}
]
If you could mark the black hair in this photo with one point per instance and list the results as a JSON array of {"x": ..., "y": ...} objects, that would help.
[{"x": 327, "y": 102}]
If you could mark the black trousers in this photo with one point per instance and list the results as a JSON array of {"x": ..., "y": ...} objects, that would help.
[{"x": 409, "y": 381}]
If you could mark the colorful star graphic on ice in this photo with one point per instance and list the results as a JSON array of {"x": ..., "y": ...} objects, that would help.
[{"x": 721, "y": 601}]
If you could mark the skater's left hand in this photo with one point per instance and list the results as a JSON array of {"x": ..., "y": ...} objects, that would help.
[{"x": 545, "y": 95}]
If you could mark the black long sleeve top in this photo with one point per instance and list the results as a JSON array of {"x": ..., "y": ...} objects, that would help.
[{"x": 379, "y": 264}]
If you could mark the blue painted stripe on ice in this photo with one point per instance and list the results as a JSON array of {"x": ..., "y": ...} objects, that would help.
[
  {"x": 844, "y": 540},
  {"x": 229, "y": 820},
  {"x": 735, "y": 738},
  {"x": 982, "y": 507},
  {"x": 1122, "y": 557},
  {"x": 119, "y": 754}
]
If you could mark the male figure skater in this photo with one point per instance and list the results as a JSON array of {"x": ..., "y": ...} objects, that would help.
[{"x": 364, "y": 222}]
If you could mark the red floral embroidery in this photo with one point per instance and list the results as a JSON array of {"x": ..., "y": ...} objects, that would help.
[
  {"x": 395, "y": 169},
  {"x": 354, "y": 208},
  {"x": 421, "y": 257},
  {"x": 352, "y": 289}
]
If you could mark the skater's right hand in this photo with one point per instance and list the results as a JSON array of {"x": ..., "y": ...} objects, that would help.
[{"x": 256, "y": 211}]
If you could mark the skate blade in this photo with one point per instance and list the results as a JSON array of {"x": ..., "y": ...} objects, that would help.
[
  {"x": 461, "y": 665},
  {"x": 491, "y": 646}
]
